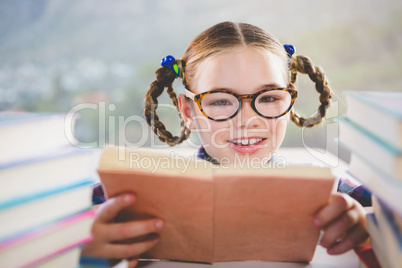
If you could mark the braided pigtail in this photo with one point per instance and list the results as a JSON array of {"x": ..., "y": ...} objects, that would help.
[
  {"x": 164, "y": 79},
  {"x": 304, "y": 65}
]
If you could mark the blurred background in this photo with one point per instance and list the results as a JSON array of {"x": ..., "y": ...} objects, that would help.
[{"x": 57, "y": 54}]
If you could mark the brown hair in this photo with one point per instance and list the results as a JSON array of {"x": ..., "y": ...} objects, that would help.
[{"x": 221, "y": 37}]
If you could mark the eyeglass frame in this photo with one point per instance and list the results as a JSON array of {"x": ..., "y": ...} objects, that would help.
[{"x": 198, "y": 98}]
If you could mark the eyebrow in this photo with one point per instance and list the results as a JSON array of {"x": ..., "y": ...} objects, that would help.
[
  {"x": 267, "y": 86},
  {"x": 272, "y": 85}
]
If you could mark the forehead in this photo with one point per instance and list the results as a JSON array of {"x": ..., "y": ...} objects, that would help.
[{"x": 242, "y": 70}]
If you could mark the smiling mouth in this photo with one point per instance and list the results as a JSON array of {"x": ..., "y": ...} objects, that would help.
[{"x": 247, "y": 142}]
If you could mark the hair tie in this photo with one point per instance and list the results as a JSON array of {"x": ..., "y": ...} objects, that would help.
[
  {"x": 170, "y": 62},
  {"x": 290, "y": 50}
]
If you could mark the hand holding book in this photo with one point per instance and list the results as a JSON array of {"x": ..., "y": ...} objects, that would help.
[
  {"x": 109, "y": 236},
  {"x": 343, "y": 222}
]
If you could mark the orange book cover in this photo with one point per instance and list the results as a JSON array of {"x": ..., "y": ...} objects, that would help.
[{"x": 219, "y": 213}]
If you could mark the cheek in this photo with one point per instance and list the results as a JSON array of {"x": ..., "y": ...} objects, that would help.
[
  {"x": 212, "y": 132},
  {"x": 220, "y": 132},
  {"x": 281, "y": 127},
  {"x": 278, "y": 130}
]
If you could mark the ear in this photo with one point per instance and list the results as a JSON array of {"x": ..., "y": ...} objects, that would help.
[{"x": 186, "y": 112}]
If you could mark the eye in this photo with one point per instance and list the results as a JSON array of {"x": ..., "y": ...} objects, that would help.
[
  {"x": 268, "y": 99},
  {"x": 220, "y": 103}
]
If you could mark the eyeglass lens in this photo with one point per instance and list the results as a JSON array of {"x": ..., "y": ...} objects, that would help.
[{"x": 219, "y": 105}]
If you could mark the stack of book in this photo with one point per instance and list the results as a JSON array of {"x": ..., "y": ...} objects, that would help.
[
  {"x": 45, "y": 194},
  {"x": 372, "y": 130}
]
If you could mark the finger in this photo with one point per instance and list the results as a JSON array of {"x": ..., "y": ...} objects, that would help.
[
  {"x": 126, "y": 230},
  {"x": 131, "y": 263},
  {"x": 353, "y": 238},
  {"x": 127, "y": 251},
  {"x": 339, "y": 227},
  {"x": 109, "y": 210},
  {"x": 338, "y": 204}
]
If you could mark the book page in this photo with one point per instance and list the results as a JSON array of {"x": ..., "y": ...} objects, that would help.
[
  {"x": 184, "y": 204},
  {"x": 176, "y": 189},
  {"x": 268, "y": 218}
]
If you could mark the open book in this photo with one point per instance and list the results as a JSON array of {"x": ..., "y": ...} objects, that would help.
[{"x": 220, "y": 213}]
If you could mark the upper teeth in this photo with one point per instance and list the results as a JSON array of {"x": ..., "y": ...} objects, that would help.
[{"x": 248, "y": 141}]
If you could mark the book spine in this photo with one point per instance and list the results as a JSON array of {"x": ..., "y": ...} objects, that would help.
[
  {"x": 65, "y": 151},
  {"x": 35, "y": 228},
  {"x": 386, "y": 127},
  {"x": 58, "y": 252},
  {"x": 21, "y": 200},
  {"x": 48, "y": 229},
  {"x": 387, "y": 188},
  {"x": 391, "y": 238},
  {"x": 372, "y": 150}
]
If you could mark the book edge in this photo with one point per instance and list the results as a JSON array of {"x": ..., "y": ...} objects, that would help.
[{"x": 374, "y": 104}]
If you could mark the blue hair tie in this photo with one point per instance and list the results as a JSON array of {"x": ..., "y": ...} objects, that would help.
[
  {"x": 170, "y": 62},
  {"x": 290, "y": 50}
]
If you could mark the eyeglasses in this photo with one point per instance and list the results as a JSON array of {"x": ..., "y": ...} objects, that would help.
[{"x": 221, "y": 104}]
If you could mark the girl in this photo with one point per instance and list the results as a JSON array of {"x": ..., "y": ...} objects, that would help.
[{"x": 239, "y": 90}]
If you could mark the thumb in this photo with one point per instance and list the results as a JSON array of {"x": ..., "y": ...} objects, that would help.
[{"x": 109, "y": 210}]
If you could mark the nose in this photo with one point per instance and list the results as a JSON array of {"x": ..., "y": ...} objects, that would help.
[{"x": 247, "y": 117}]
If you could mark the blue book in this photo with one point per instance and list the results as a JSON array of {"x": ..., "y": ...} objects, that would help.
[
  {"x": 379, "y": 113},
  {"x": 93, "y": 262},
  {"x": 22, "y": 215},
  {"x": 391, "y": 236},
  {"x": 377, "y": 240}
]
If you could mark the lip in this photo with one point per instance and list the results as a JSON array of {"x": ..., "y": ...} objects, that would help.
[{"x": 247, "y": 149}]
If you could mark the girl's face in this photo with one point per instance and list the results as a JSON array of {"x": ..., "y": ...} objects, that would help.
[{"x": 244, "y": 70}]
